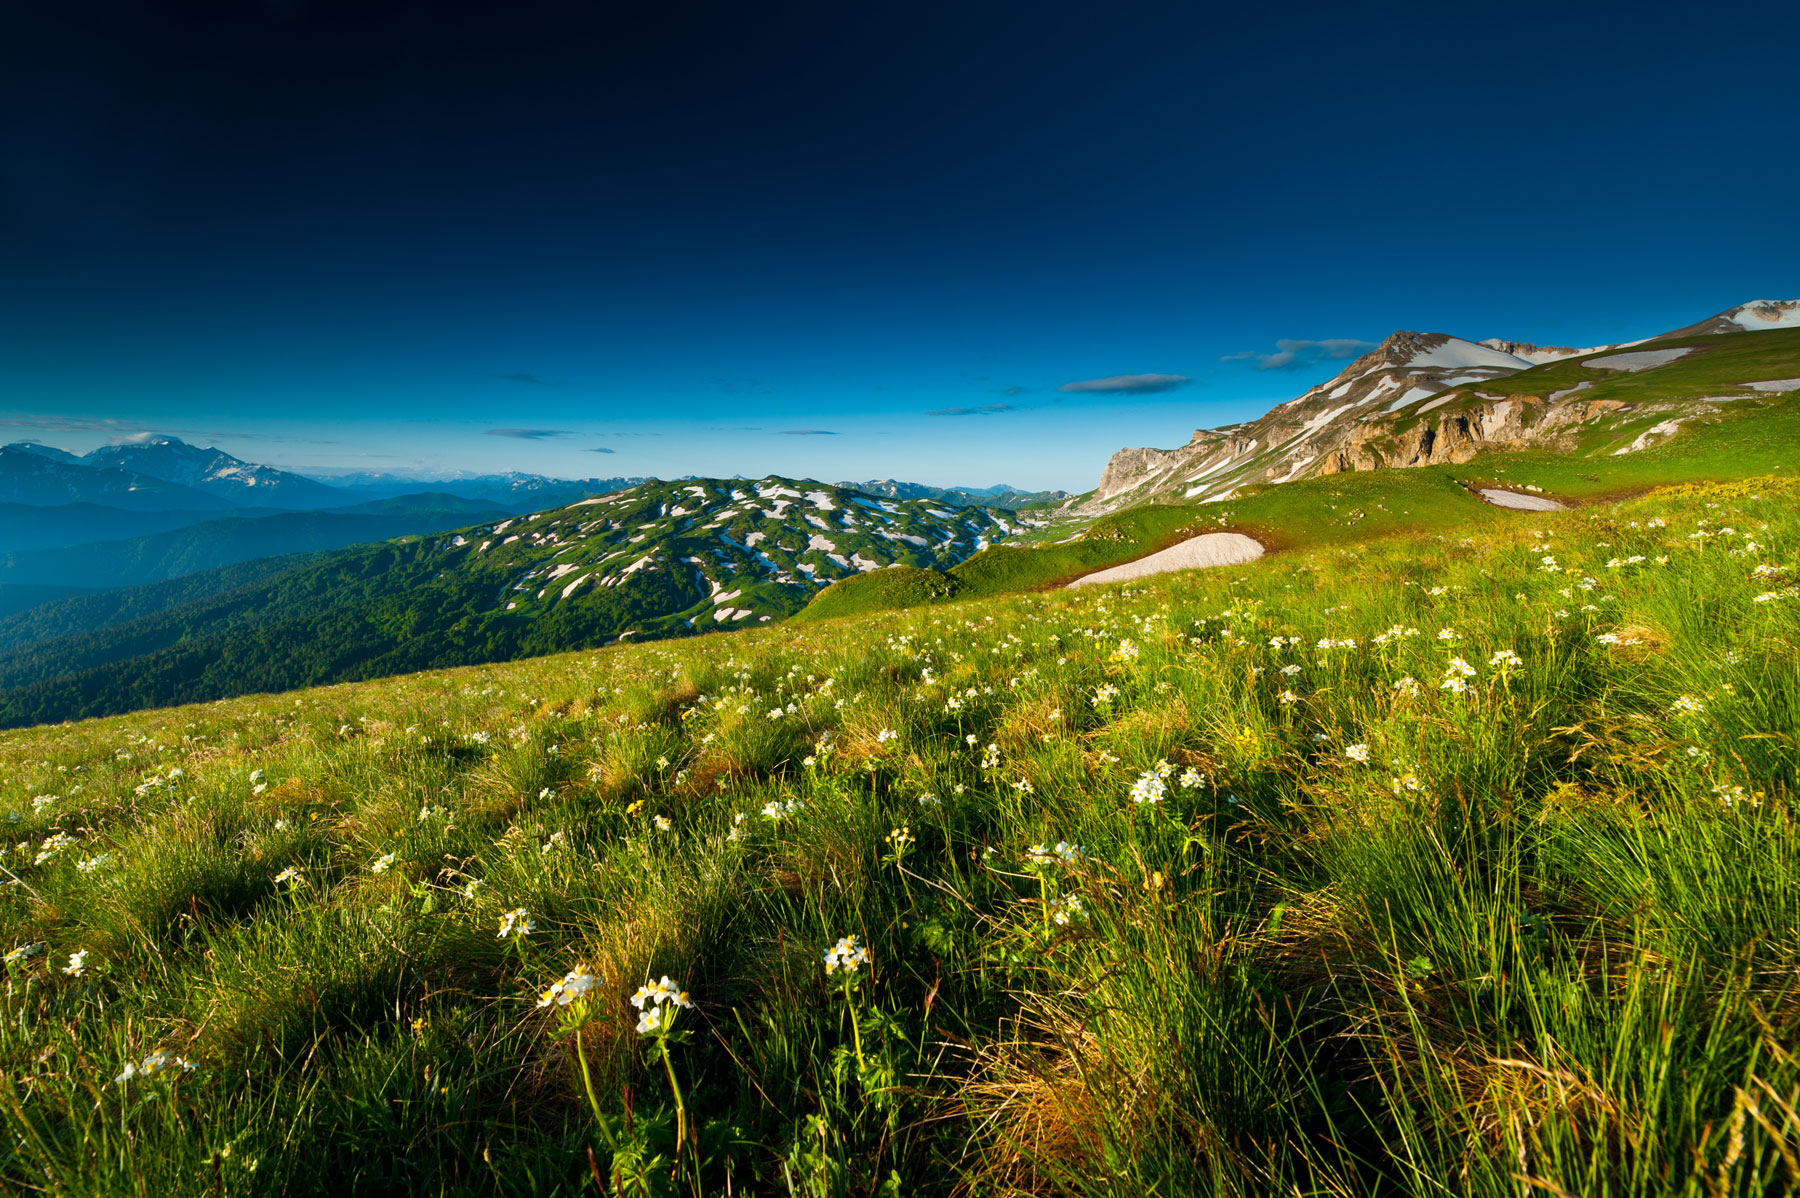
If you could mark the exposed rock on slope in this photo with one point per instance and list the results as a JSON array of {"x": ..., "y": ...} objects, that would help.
[{"x": 1415, "y": 400}]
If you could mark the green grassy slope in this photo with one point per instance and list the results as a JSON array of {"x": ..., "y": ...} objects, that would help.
[
  {"x": 1752, "y": 436},
  {"x": 1450, "y": 864},
  {"x": 659, "y": 559}
]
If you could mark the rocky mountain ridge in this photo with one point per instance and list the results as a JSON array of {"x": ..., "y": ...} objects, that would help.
[{"x": 1424, "y": 398}]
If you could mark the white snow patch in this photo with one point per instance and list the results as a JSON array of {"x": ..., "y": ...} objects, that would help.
[
  {"x": 941, "y": 515},
  {"x": 1216, "y": 466},
  {"x": 1195, "y": 553},
  {"x": 753, "y": 538},
  {"x": 724, "y": 613},
  {"x": 1296, "y": 468},
  {"x": 1643, "y": 359},
  {"x": 921, "y": 542},
  {"x": 1414, "y": 395},
  {"x": 728, "y": 596},
  {"x": 1520, "y": 502},
  {"x": 1457, "y": 354},
  {"x": 821, "y": 500},
  {"x": 741, "y": 612},
  {"x": 1436, "y": 403},
  {"x": 1559, "y": 396},
  {"x": 570, "y": 589},
  {"x": 565, "y": 568},
  {"x": 863, "y": 563},
  {"x": 1774, "y": 385},
  {"x": 842, "y": 561},
  {"x": 1643, "y": 439},
  {"x": 640, "y": 563},
  {"x": 1324, "y": 418},
  {"x": 817, "y": 542}
]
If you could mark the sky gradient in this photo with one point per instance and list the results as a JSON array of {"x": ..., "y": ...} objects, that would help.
[{"x": 833, "y": 240}]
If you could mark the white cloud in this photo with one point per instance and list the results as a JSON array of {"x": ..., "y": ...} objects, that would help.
[{"x": 1130, "y": 384}]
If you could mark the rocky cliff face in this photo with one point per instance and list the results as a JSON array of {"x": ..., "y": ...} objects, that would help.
[{"x": 1415, "y": 400}]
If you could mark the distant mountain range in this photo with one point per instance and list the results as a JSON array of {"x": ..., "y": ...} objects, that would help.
[
  {"x": 1001, "y": 496},
  {"x": 236, "y": 538},
  {"x": 1424, "y": 398},
  {"x": 167, "y": 474},
  {"x": 655, "y": 559}
]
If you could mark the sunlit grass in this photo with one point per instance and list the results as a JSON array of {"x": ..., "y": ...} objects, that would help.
[{"x": 1439, "y": 865}]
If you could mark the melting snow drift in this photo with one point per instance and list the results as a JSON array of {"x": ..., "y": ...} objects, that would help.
[
  {"x": 1195, "y": 553},
  {"x": 1521, "y": 502}
]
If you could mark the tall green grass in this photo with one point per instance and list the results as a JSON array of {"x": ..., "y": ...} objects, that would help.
[{"x": 1206, "y": 884}]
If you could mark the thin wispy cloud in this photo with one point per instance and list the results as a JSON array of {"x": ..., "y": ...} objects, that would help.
[
  {"x": 1292, "y": 354},
  {"x": 530, "y": 434},
  {"x": 598, "y": 449},
  {"x": 1129, "y": 384},
  {"x": 986, "y": 410},
  {"x": 808, "y": 432}
]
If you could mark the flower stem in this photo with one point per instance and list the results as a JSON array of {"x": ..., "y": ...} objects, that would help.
[
  {"x": 680, "y": 1109},
  {"x": 856, "y": 1034}
]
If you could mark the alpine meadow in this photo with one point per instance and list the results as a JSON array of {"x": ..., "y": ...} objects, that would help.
[
  {"x": 1450, "y": 862},
  {"x": 942, "y": 600}
]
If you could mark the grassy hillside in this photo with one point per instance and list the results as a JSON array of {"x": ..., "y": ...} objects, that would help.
[
  {"x": 1750, "y": 437},
  {"x": 659, "y": 559},
  {"x": 1450, "y": 864}
]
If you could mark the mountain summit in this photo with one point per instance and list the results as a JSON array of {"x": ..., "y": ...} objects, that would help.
[{"x": 214, "y": 472}]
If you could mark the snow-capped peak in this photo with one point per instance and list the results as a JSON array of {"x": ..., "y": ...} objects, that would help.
[{"x": 1758, "y": 315}]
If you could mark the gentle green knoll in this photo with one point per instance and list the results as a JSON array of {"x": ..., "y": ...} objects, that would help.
[
  {"x": 1459, "y": 863},
  {"x": 1718, "y": 365}
]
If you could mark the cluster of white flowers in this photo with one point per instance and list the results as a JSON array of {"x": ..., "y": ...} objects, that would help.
[
  {"x": 1687, "y": 705},
  {"x": 1149, "y": 788},
  {"x": 53, "y": 845},
  {"x": 24, "y": 953},
  {"x": 382, "y": 864},
  {"x": 1395, "y": 633},
  {"x": 651, "y": 1000},
  {"x": 1506, "y": 659},
  {"x": 776, "y": 810},
  {"x": 1358, "y": 753},
  {"x": 1104, "y": 694},
  {"x": 574, "y": 985},
  {"x": 846, "y": 955},
  {"x": 1066, "y": 910},
  {"x": 1063, "y": 853},
  {"x": 160, "y": 1061},
  {"x": 292, "y": 873},
  {"x": 517, "y": 922}
]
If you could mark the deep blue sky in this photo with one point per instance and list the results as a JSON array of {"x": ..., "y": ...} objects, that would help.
[{"x": 724, "y": 238}]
